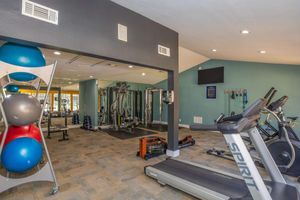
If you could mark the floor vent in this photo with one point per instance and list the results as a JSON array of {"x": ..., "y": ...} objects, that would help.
[
  {"x": 164, "y": 51},
  {"x": 40, "y": 12}
]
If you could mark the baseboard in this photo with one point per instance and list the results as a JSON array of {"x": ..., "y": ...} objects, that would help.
[
  {"x": 74, "y": 126},
  {"x": 165, "y": 123},
  {"x": 184, "y": 126},
  {"x": 173, "y": 153},
  {"x": 106, "y": 126},
  {"x": 159, "y": 122}
]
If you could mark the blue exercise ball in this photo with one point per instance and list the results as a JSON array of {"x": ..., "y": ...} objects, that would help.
[
  {"x": 24, "y": 56},
  {"x": 12, "y": 88},
  {"x": 21, "y": 155}
]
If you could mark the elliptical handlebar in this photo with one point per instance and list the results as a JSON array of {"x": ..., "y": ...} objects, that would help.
[
  {"x": 278, "y": 103},
  {"x": 269, "y": 93},
  {"x": 271, "y": 97}
]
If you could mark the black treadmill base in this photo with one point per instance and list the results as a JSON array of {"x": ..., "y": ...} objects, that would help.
[
  {"x": 234, "y": 188},
  {"x": 205, "y": 178}
]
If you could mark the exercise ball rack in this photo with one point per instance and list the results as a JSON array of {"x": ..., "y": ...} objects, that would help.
[{"x": 44, "y": 75}]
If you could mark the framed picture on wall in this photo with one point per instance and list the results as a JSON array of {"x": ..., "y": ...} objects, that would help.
[{"x": 211, "y": 92}]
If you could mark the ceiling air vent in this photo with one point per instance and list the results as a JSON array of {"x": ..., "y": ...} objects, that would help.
[
  {"x": 40, "y": 12},
  {"x": 164, "y": 50}
]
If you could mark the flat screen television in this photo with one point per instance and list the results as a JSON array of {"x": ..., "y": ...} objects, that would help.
[{"x": 213, "y": 75}]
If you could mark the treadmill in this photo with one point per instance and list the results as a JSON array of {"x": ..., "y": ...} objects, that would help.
[{"x": 211, "y": 184}]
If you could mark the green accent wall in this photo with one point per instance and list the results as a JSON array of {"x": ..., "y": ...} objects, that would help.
[
  {"x": 88, "y": 100},
  {"x": 257, "y": 78}
]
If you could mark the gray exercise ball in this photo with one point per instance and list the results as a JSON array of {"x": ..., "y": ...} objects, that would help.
[{"x": 21, "y": 109}]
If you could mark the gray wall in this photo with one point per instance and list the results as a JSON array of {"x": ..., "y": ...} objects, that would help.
[{"x": 90, "y": 27}]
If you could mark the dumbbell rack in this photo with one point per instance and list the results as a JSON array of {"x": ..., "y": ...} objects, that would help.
[{"x": 44, "y": 75}]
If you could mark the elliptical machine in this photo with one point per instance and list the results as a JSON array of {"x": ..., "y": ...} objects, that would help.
[
  {"x": 285, "y": 149},
  {"x": 283, "y": 144}
]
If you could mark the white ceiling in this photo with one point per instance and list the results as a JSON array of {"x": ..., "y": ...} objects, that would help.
[
  {"x": 72, "y": 68},
  {"x": 204, "y": 25}
]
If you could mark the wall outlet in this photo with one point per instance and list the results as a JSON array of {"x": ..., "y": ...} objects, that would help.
[
  {"x": 198, "y": 120},
  {"x": 122, "y": 32}
]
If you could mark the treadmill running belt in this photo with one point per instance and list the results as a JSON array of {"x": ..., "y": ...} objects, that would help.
[{"x": 231, "y": 187}]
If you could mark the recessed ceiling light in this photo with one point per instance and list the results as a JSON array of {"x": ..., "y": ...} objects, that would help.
[
  {"x": 130, "y": 66},
  {"x": 91, "y": 76},
  {"x": 245, "y": 32},
  {"x": 57, "y": 53},
  {"x": 143, "y": 74},
  {"x": 262, "y": 51},
  {"x": 70, "y": 82},
  {"x": 214, "y": 50}
]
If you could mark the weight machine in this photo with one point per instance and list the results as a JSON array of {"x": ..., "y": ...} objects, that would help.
[
  {"x": 121, "y": 107},
  {"x": 149, "y": 93}
]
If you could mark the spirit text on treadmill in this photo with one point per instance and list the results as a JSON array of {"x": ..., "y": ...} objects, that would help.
[{"x": 245, "y": 171}]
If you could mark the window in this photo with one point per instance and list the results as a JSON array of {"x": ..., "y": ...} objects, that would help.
[
  {"x": 75, "y": 102},
  {"x": 55, "y": 103},
  {"x": 66, "y": 101},
  {"x": 41, "y": 96},
  {"x": 49, "y": 102}
]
